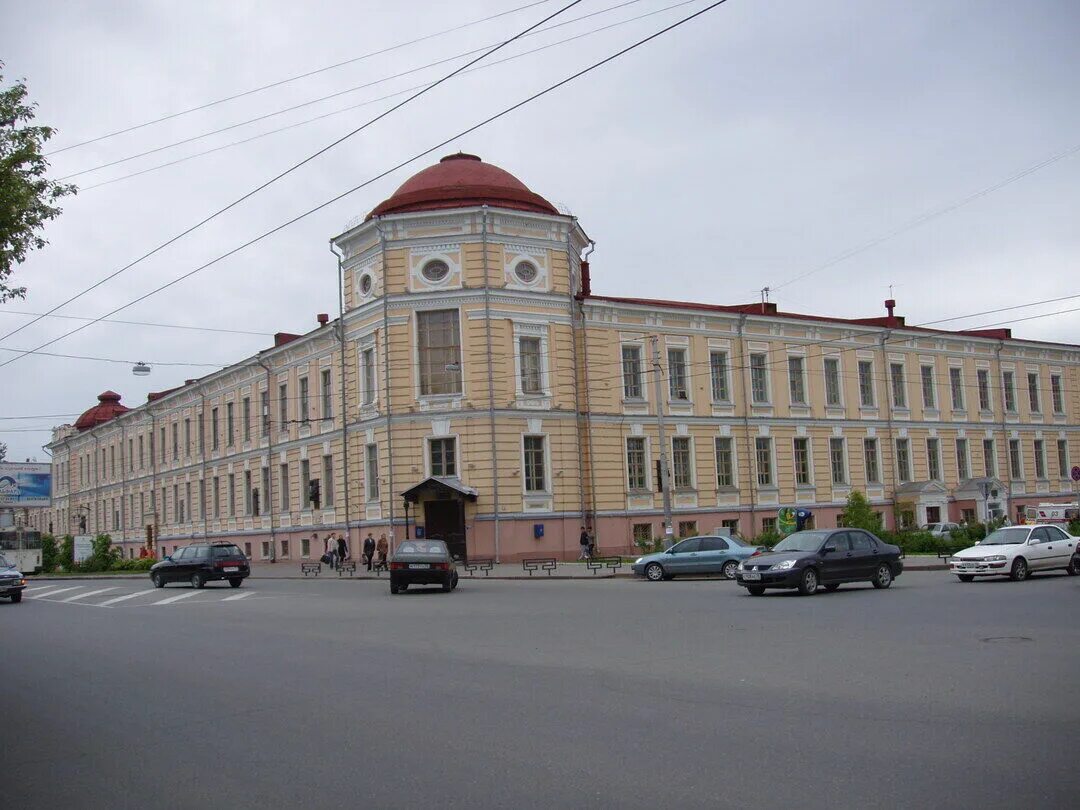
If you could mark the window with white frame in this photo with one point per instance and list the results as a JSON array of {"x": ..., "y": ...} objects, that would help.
[
  {"x": 933, "y": 459},
  {"x": 838, "y": 460},
  {"x": 832, "y": 382},
  {"x": 989, "y": 458},
  {"x": 217, "y": 497},
  {"x": 230, "y": 425},
  {"x": 677, "y": 389},
  {"x": 636, "y": 465},
  {"x": 797, "y": 380},
  {"x": 1056, "y": 395},
  {"x": 1008, "y": 382},
  {"x": 903, "y": 460},
  {"x": 439, "y": 351},
  {"x": 283, "y": 406},
  {"x": 530, "y": 356},
  {"x": 929, "y": 388},
  {"x": 982, "y": 378},
  {"x": 305, "y": 413},
  {"x": 899, "y": 388},
  {"x": 631, "y": 369},
  {"x": 963, "y": 466},
  {"x": 367, "y": 376},
  {"x": 232, "y": 494},
  {"x": 956, "y": 384},
  {"x": 681, "y": 462},
  {"x": 305, "y": 484},
  {"x": 327, "y": 393},
  {"x": 328, "y": 480},
  {"x": 725, "y": 462},
  {"x": 246, "y": 415},
  {"x": 1033, "y": 392},
  {"x": 763, "y": 457},
  {"x": 443, "y": 456},
  {"x": 264, "y": 400},
  {"x": 802, "y": 460},
  {"x": 1063, "y": 458},
  {"x": 866, "y": 383},
  {"x": 283, "y": 486},
  {"x": 1016, "y": 468},
  {"x": 1040, "y": 459},
  {"x": 718, "y": 365},
  {"x": 535, "y": 464},
  {"x": 759, "y": 379}
]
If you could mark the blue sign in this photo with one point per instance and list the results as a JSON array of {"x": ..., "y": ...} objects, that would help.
[
  {"x": 419, "y": 532},
  {"x": 25, "y": 485}
]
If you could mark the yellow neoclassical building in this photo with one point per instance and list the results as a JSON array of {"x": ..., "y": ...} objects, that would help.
[{"x": 474, "y": 388}]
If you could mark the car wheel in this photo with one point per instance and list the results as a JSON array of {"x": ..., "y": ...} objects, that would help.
[
  {"x": 448, "y": 585},
  {"x": 832, "y": 586},
  {"x": 393, "y": 588},
  {"x": 654, "y": 572},
  {"x": 1019, "y": 570},
  {"x": 197, "y": 580},
  {"x": 454, "y": 582},
  {"x": 1072, "y": 569},
  {"x": 158, "y": 580},
  {"x": 965, "y": 577},
  {"x": 16, "y": 598},
  {"x": 404, "y": 586},
  {"x": 808, "y": 582},
  {"x": 729, "y": 569},
  {"x": 235, "y": 582},
  {"x": 756, "y": 590},
  {"x": 882, "y": 577}
]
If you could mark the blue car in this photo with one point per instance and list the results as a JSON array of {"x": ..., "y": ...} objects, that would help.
[{"x": 696, "y": 555}]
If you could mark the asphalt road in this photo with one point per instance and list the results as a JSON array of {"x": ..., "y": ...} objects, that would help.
[{"x": 543, "y": 695}]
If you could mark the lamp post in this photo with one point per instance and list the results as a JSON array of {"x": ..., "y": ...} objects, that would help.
[{"x": 406, "y": 519}]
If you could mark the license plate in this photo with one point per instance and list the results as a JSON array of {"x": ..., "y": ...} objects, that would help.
[
  {"x": 751, "y": 575},
  {"x": 967, "y": 565},
  {"x": 231, "y": 568},
  {"x": 419, "y": 565}
]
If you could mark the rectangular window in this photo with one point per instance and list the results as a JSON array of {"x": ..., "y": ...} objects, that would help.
[
  {"x": 175, "y": 441},
  {"x": 763, "y": 456},
  {"x": 246, "y": 415},
  {"x": 217, "y": 497},
  {"x": 328, "y": 481},
  {"x": 305, "y": 414},
  {"x": 232, "y": 495},
  {"x": 283, "y": 406},
  {"x": 631, "y": 369},
  {"x": 929, "y": 394},
  {"x": 956, "y": 383},
  {"x": 903, "y": 460},
  {"x": 1016, "y": 470},
  {"x": 327, "y": 394},
  {"x": 933, "y": 459},
  {"x": 187, "y": 437},
  {"x": 1008, "y": 382},
  {"x": 718, "y": 365},
  {"x": 1033, "y": 392},
  {"x": 305, "y": 484},
  {"x": 162, "y": 448},
  {"x": 283, "y": 481},
  {"x": 249, "y": 505},
  {"x": 439, "y": 349},
  {"x": 983, "y": 378},
  {"x": 832, "y": 382},
  {"x": 963, "y": 468},
  {"x": 187, "y": 501},
  {"x": 802, "y": 461},
  {"x": 989, "y": 459},
  {"x": 642, "y": 533},
  {"x": 285, "y": 549},
  {"x": 866, "y": 383},
  {"x": 768, "y": 525},
  {"x": 142, "y": 457},
  {"x": 1063, "y": 458},
  {"x": 636, "y": 474},
  {"x": 531, "y": 378},
  {"x": 265, "y": 507},
  {"x": 759, "y": 379},
  {"x": 797, "y": 380},
  {"x": 202, "y": 438},
  {"x": 367, "y": 376},
  {"x": 230, "y": 424},
  {"x": 535, "y": 468},
  {"x": 264, "y": 408},
  {"x": 1040, "y": 459},
  {"x": 372, "y": 472},
  {"x": 1055, "y": 393},
  {"x": 688, "y": 528},
  {"x": 838, "y": 460},
  {"x": 677, "y": 389},
  {"x": 680, "y": 462},
  {"x": 725, "y": 462},
  {"x": 899, "y": 390},
  {"x": 443, "y": 455},
  {"x": 305, "y": 547}
]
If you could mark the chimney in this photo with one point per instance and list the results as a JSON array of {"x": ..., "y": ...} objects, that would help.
[
  {"x": 281, "y": 338},
  {"x": 890, "y": 306},
  {"x": 586, "y": 280},
  {"x": 322, "y": 318},
  {"x": 190, "y": 382}
]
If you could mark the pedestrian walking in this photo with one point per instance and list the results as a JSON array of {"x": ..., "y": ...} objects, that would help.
[
  {"x": 342, "y": 549},
  {"x": 369, "y": 549},
  {"x": 382, "y": 547},
  {"x": 586, "y": 544},
  {"x": 329, "y": 550}
]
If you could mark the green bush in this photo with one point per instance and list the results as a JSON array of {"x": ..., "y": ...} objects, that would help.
[
  {"x": 767, "y": 539},
  {"x": 50, "y": 553},
  {"x": 1074, "y": 528},
  {"x": 141, "y": 564},
  {"x": 67, "y": 551},
  {"x": 858, "y": 514}
]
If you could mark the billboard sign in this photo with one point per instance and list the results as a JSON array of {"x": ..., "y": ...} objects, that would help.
[{"x": 25, "y": 484}]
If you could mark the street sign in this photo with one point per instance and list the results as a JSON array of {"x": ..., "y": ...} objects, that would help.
[{"x": 1076, "y": 472}]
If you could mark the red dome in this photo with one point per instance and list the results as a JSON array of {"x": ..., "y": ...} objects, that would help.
[
  {"x": 107, "y": 408},
  {"x": 461, "y": 181}
]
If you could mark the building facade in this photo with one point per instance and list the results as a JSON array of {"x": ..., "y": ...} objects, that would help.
[{"x": 474, "y": 388}]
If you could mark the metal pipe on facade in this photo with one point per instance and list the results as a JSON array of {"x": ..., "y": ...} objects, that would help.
[
  {"x": 577, "y": 394},
  {"x": 889, "y": 422},
  {"x": 665, "y": 475},
  {"x": 751, "y": 472},
  {"x": 491, "y": 379},
  {"x": 588, "y": 403},
  {"x": 386, "y": 385},
  {"x": 1005, "y": 435},
  {"x": 344, "y": 401}
]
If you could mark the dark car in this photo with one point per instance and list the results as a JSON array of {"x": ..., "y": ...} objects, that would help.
[
  {"x": 822, "y": 557},
  {"x": 12, "y": 582},
  {"x": 422, "y": 562},
  {"x": 201, "y": 563}
]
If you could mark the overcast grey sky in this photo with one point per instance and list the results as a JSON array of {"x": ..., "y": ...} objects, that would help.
[{"x": 743, "y": 149}]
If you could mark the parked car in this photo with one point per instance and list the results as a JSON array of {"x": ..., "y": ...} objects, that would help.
[
  {"x": 695, "y": 555},
  {"x": 12, "y": 582},
  {"x": 422, "y": 562},
  {"x": 822, "y": 557},
  {"x": 941, "y": 529},
  {"x": 200, "y": 563},
  {"x": 1016, "y": 552}
]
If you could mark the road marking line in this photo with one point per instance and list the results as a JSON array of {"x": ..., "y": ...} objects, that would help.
[
  {"x": 40, "y": 590},
  {"x": 116, "y": 599},
  {"x": 51, "y": 594},
  {"x": 88, "y": 593},
  {"x": 172, "y": 599},
  {"x": 243, "y": 595}
]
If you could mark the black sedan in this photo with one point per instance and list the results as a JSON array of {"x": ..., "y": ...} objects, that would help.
[
  {"x": 825, "y": 557},
  {"x": 201, "y": 563},
  {"x": 422, "y": 562}
]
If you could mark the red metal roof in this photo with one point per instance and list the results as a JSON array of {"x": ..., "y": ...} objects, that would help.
[{"x": 108, "y": 407}]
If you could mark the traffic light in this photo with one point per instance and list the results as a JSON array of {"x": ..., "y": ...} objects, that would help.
[{"x": 313, "y": 492}]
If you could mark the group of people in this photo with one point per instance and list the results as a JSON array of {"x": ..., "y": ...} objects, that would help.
[{"x": 336, "y": 550}]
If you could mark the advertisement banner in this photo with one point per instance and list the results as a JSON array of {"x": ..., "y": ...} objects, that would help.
[{"x": 25, "y": 484}]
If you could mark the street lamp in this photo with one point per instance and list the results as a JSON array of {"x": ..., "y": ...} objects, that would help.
[{"x": 140, "y": 369}]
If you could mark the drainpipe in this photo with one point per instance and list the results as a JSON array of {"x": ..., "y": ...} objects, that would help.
[
  {"x": 123, "y": 484},
  {"x": 752, "y": 473},
  {"x": 577, "y": 396},
  {"x": 269, "y": 467},
  {"x": 491, "y": 380},
  {"x": 588, "y": 405},
  {"x": 344, "y": 402},
  {"x": 153, "y": 478},
  {"x": 386, "y": 383},
  {"x": 1005, "y": 435},
  {"x": 889, "y": 422},
  {"x": 97, "y": 483}
]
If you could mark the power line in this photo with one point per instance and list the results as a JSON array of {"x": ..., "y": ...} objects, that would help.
[
  {"x": 377, "y": 177},
  {"x": 107, "y": 359},
  {"x": 42, "y": 416},
  {"x": 281, "y": 82},
  {"x": 294, "y": 167},
  {"x": 1003, "y": 309},
  {"x": 137, "y": 323},
  {"x": 377, "y": 99}
]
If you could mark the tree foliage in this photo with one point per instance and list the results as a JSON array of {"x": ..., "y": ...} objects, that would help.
[
  {"x": 858, "y": 514},
  {"x": 3, "y": 451},
  {"x": 27, "y": 198}
]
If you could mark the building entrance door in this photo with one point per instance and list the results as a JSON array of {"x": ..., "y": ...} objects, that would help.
[
  {"x": 445, "y": 520},
  {"x": 933, "y": 514}
]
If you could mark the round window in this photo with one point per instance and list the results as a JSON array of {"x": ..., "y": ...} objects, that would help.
[
  {"x": 365, "y": 284},
  {"x": 435, "y": 270},
  {"x": 526, "y": 272}
]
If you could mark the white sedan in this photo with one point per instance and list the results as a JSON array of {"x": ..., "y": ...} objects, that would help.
[{"x": 1016, "y": 552}]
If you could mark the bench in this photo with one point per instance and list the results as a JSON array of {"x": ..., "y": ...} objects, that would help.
[
  {"x": 531, "y": 564},
  {"x": 600, "y": 563},
  {"x": 485, "y": 564},
  {"x": 378, "y": 566},
  {"x": 347, "y": 567},
  {"x": 310, "y": 568},
  {"x": 944, "y": 554}
]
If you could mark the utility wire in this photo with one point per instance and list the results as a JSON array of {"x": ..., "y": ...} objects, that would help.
[
  {"x": 137, "y": 323},
  {"x": 111, "y": 359},
  {"x": 379, "y": 176},
  {"x": 281, "y": 82},
  {"x": 293, "y": 168}
]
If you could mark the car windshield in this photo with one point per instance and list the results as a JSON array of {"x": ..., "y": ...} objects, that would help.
[
  {"x": 735, "y": 541},
  {"x": 801, "y": 541},
  {"x": 422, "y": 547},
  {"x": 227, "y": 551},
  {"x": 1007, "y": 537},
  {"x": 933, "y": 526}
]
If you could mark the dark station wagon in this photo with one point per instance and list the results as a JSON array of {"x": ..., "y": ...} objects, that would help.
[{"x": 200, "y": 563}]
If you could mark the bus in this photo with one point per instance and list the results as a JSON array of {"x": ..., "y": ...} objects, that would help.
[{"x": 22, "y": 547}]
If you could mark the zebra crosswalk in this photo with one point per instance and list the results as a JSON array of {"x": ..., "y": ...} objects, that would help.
[{"x": 117, "y": 596}]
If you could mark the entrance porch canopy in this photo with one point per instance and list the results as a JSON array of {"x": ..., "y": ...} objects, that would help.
[{"x": 440, "y": 487}]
